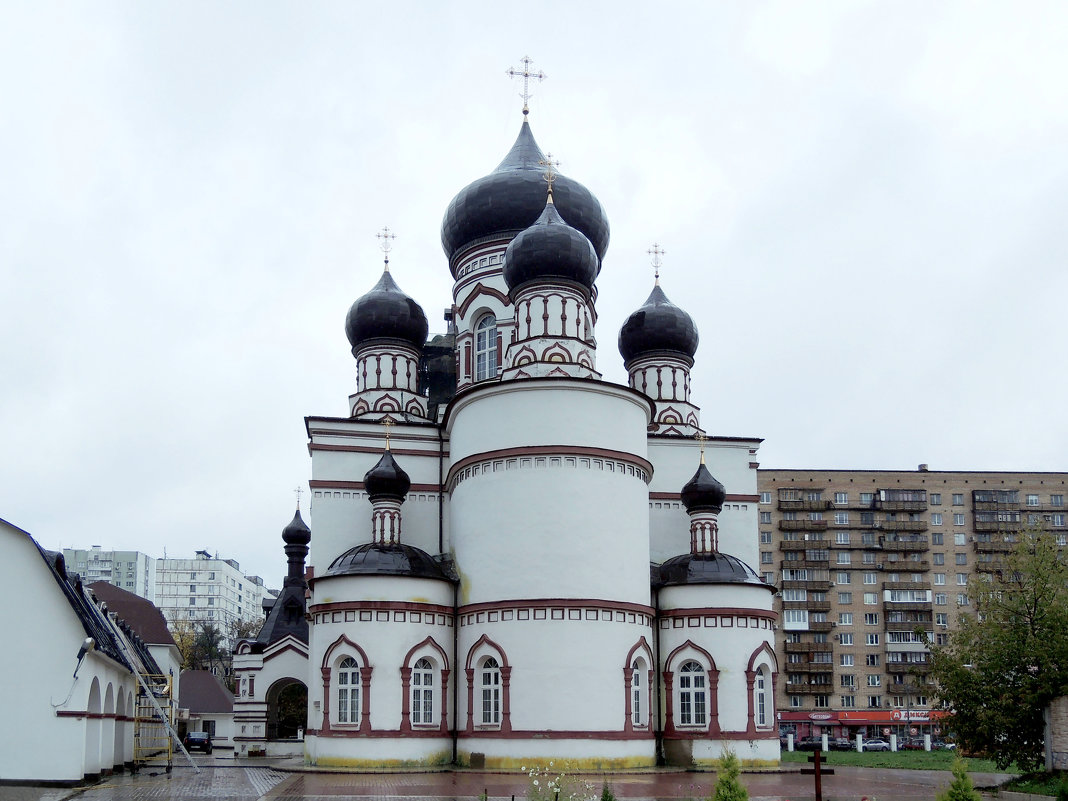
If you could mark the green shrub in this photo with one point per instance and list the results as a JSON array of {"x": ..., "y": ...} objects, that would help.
[
  {"x": 728, "y": 787},
  {"x": 961, "y": 788}
]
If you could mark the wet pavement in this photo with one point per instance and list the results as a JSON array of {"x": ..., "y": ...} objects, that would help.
[{"x": 285, "y": 780}]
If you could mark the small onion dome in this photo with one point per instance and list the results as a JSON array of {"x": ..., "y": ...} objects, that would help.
[
  {"x": 708, "y": 568},
  {"x": 658, "y": 325},
  {"x": 550, "y": 249},
  {"x": 386, "y": 313},
  {"x": 297, "y": 532},
  {"x": 511, "y": 197},
  {"x": 386, "y": 479},
  {"x": 372, "y": 559},
  {"x": 703, "y": 493}
]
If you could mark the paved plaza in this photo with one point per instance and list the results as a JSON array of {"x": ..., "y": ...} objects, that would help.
[{"x": 284, "y": 780}]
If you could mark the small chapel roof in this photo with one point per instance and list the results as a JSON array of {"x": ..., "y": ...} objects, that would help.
[
  {"x": 202, "y": 691},
  {"x": 141, "y": 614}
]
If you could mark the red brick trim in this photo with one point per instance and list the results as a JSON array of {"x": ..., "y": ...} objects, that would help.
[
  {"x": 391, "y": 606},
  {"x": 359, "y": 485},
  {"x": 556, "y": 603},
  {"x": 677, "y": 496}
]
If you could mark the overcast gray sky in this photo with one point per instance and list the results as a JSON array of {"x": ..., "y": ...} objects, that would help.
[{"x": 862, "y": 204}]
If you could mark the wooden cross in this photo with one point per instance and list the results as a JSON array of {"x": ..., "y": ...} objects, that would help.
[
  {"x": 526, "y": 74},
  {"x": 818, "y": 772},
  {"x": 385, "y": 238},
  {"x": 548, "y": 163},
  {"x": 656, "y": 252}
]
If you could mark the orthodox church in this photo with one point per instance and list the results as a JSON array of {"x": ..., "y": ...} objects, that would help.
[{"x": 513, "y": 560}]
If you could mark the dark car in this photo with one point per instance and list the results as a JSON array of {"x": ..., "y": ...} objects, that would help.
[
  {"x": 809, "y": 744},
  {"x": 842, "y": 744},
  {"x": 197, "y": 741}
]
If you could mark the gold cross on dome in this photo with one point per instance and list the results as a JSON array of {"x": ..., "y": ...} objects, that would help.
[
  {"x": 526, "y": 74},
  {"x": 548, "y": 163},
  {"x": 388, "y": 423},
  {"x": 656, "y": 252},
  {"x": 702, "y": 438},
  {"x": 385, "y": 239},
  {"x": 299, "y": 491}
]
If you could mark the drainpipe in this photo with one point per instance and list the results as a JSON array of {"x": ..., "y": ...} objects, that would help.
[
  {"x": 441, "y": 491},
  {"x": 659, "y": 677},
  {"x": 455, "y": 668}
]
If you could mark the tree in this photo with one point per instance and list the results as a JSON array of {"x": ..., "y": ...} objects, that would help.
[
  {"x": 201, "y": 645},
  {"x": 1009, "y": 658},
  {"x": 728, "y": 787},
  {"x": 961, "y": 788},
  {"x": 243, "y": 630}
]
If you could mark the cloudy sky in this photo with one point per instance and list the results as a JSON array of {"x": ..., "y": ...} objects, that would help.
[{"x": 862, "y": 204}]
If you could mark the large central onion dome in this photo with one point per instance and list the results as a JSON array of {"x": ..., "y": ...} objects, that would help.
[
  {"x": 657, "y": 326},
  {"x": 386, "y": 313},
  {"x": 550, "y": 249},
  {"x": 511, "y": 198}
]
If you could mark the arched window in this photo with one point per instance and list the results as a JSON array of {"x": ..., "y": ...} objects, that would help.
[
  {"x": 761, "y": 703},
  {"x": 348, "y": 691},
  {"x": 423, "y": 693},
  {"x": 692, "y": 695},
  {"x": 486, "y": 348},
  {"x": 490, "y": 681},
  {"x": 639, "y": 691}
]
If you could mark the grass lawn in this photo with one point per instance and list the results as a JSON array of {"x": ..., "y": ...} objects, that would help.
[{"x": 909, "y": 760}]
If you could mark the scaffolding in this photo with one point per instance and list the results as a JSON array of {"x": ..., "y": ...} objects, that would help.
[{"x": 154, "y": 722}]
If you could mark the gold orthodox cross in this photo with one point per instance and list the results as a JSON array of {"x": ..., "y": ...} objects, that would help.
[
  {"x": 385, "y": 239},
  {"x": 388, "y": 423},
  {"x": 548, "y": 163},
  {"x": 526, "y": 74},
  {"x": 702, "y": 438},
  {"x": 656, "y": 252}
]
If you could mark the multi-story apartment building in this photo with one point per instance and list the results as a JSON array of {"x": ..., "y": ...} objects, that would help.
[
  {"x": 132, "y": 570},
  {"x": 864, "y": 559},
  {"x": 206, "y": 588}
]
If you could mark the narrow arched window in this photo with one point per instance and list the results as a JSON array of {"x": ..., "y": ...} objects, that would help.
[
  {"x": 639, "y": 692},
  {"x": 761, "y": 690},
  {"x": 423, "y": 693},
  {"x": 486, "y": 348},
  {"x": 348, "y": 691},
  {"x": 490, "y": 681},
  {"x": 692, "y": 695}
]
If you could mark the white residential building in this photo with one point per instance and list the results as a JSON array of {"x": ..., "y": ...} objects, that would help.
[
  {"x": 133, "y": 571},
  {"x": 207, "y": 588}
]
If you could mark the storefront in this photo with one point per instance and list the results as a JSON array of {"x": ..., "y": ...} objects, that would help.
[{"x": 867, "y": 723}]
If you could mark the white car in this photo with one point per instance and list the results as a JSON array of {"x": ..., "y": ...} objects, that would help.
[{"x": 876, "y": 745}]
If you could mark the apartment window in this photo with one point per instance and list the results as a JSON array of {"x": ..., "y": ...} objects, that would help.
[
  {"x": 1057, "y": 520},
  {"x": 961, "y": 558},
  {"x": 941, "y": 639},
  {"x": 815, "y": 515},
  {"x": 846, "y": 660},
  {"x": 962, "y": 599},
  {"x": 875, "y": 680},
  {"x": 843, "y": 557},
  {"x": 845, "y": 639},
  {"x": 211, "y": 602},
  {"x": 937, "y": 538},
  {"x": 939, "y": 558},
  {"x": 192, "y": 587},
  {"x": 871, "y": 598},
  {"x": 795, "y": 701},
  {"x": 936, "y": 498},
  {"x": 1056, "y": 500},
  {"x": 841, "y": 518},
  {"x": 841, "y": 537},
  {"x": 941, "y": 619},
  {"x": 192, "y": 601},
  {"x": 958, "y": 499},
  {"x": 1032, "y": 500},
  {"x": 940, "y": 599},
  {"x": 841, "y": 497},
  {"x": 765, "y": 517},
  {"x": 765, "y": 557},
  {"x": 958, "y": 519},
  {"x": 767, "y": 578},
  {"x": 875, "y": 701},
  {"x": 211, "y": 577},
  {"x": 794, "y": 595},
  {"x": 848, "y": 701},
  {"x": 871, "y": 618},
  {"x": 866, "y": 497},
  {"x": 936, "y": 518},
  {"x": 868, "y": 558},
  {"x": 867, "y": 518},
  {"x": 765, "y": 538},
  {"x": 845, "y": 597},
  {"x": 821, "y": 701},
  {"x": 814, "y": 495},
  {"x": 1062, "y": 539},
  {"x": 845, "y": 618},
  {"x": 765, "y": 497},
  {"x": 871, "y": 639},
  {"x": 871, "y": 660},
  {"x": 940, "y": 578},
  {"x": 962, "y": 579},
  {"x": 871, "y": 578}
]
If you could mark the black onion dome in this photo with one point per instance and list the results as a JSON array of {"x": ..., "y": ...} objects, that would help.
[
  {"x": 372, "y": 559},
  {"x": 550, "y": 249},
  {"x": 511, "y": 197},
  {"x": 658, "y": 325},
  {"x": 386, "y": 479},
  {"x": 709, "y": 568},
  {"x": 386, "y": 313},
  {"x": 297, "y": 532},
  {"x": 703, "y": 493}
]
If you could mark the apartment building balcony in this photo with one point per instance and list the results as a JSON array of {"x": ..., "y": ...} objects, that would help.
[
  {"x": 998, "y": 525},
  {"x": 905, "y": 565},
  {"x": 816, "y": 667},
  {"x": 910, "y": 625},
  {"x": 805, "y": 564},
  {"x": 900, "y": 506},
  {"x": 807, "y": 506},
  {"x": 894, "y": 542},
  {"x": 808, "y": 543},
  {"x": 908, "y": 606},
  {"x": 803, "y": 688},
  {"x": 992, "y": 545},
  {"x": 821, "y": 584},
  {"x": 820, "y": 626},
  {"x": 921, "y": 668},
  {"x": 812, "y": 606},
  {"x": 806, "y": 648},
  {"x": 901, "y": 525},
  {"x": 802, "y": 525}
]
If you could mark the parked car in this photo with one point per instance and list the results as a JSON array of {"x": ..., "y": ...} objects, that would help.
[
  {"x": 809, "y": 744},
  {"x": 842, "y": 744},
  {"x": 876, "y": 744},
  {"x": 197, "y": 741}
]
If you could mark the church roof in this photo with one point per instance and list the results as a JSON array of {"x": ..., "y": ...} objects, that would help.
[
  {"x": 391, "y": 560},
  {"x": 287, "y": 617},
  {"x": 203, "y": 692},
  {"x": 386, "y": 313},
  {"x": 658, "y": 325},
  {"x": 707, "y": 568},
  {"x": 550, "y": 249},
  {"x": 141, "y": 614}
]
